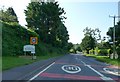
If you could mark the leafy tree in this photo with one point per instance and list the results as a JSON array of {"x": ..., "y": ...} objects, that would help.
[
  {"x": 104, "y": 45},
  {"x": 90, "y": 39},
  {"x": 47, "y": 19},
  {"x": 9, "y": 15},
  {"x": 95, "y": 33},
  {"x": 70, "y": 46},
  {"x": 79, "y": 48},
  {"x": 117, "y": 36},
  {"x": 88, "y": 43},
  {"x": 117, "y": 33}
]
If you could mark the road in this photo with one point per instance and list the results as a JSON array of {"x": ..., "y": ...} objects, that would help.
[{"x": 74, "y": 67}]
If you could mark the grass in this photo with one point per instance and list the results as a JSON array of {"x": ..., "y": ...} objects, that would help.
[
  {"x": 14, "y": 37},
  {"x": 106, "y": 59},
  {"x": 11, "y": 62}
]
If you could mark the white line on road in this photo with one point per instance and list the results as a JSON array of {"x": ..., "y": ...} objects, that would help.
[
  {"x": 102, "y": 76},
  {"x": 83, "y": 63},
  {"x": 95, "y": 71},
  {"x": 114, "y": 73},
  {"x": 41, "y": 72}
]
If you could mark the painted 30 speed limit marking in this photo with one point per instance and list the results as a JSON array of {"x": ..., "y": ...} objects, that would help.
[{"x": 71, "y": 68}]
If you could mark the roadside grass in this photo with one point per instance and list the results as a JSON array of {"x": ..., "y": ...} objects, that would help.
[
  {"x": 12, "y": 47},
  {"x": 9, "y": 62},
  {"x": 106, "y": 59}
]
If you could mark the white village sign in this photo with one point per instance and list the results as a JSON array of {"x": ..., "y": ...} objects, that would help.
[{"x": 29, "y": 48}]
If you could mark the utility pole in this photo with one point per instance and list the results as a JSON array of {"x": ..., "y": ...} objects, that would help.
[{"x": 114, "y": 34}]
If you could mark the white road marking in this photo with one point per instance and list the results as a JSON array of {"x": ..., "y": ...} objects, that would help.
[
  {"x": 95, "y": 71},
  {"x": 70, "y": 67},
  {"x": 114, "y": 73},
  {"x": 102, "y": 76},
  {"x": 84, "y": 63},
  {"x": 41, "y": 72},
  {"x": 107, "y": 78}
]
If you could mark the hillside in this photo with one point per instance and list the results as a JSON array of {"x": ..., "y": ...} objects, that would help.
[{"x": 14, "y": 37}]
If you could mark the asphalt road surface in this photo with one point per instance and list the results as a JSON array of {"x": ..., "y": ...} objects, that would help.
[{"x": 69, "y": 67}]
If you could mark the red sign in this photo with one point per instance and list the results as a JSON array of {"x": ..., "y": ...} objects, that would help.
[{"x": 33, "y": 40}]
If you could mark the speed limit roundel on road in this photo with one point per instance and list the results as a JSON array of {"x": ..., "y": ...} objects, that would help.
[
  {"x": 71, "y": 68},
  {"x": 33, "y": 40}
]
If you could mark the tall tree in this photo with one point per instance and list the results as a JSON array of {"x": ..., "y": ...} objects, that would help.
[
  {"x": 70, "y": 46},
  {"x": 95, "y": 33},
  {"x": 117, "y": 36},
  {"x": 47, "y": 18},
  {"x": 117, "y": 33},
  {"x": 8, "y": 15},
  {"x": 88, "y": 43}
]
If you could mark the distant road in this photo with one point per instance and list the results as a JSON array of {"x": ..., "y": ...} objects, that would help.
[{"x": 68, "y": 67}]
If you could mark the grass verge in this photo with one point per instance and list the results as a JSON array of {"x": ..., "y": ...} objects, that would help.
[
  {"x": 105, "y": 59},
  {"x": 9, "y": 62}
]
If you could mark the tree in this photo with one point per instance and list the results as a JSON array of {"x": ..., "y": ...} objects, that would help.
[
  {"x": 70, "y": 46},
  {"x": 78, "y": 49},
  {"x": 46, "y": 19},
  {"x": 95, "y": 33},
  {"x": 88, "y": 43},
  {"x": 117, "y": 33},
  {"x": 90, "y": 39},
  {"x": 9, "y": 15},
  {"x": 117, "y": 37}
]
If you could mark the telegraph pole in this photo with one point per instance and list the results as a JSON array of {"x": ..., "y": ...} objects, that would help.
[{"x": 114, "y": 34}]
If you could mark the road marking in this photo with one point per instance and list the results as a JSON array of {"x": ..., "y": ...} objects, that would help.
[
  {"x": 30, "y": 73},
  {"x": 41, "y": 72},
  {"x": 102, "y": 76},
  {"x": 117, "y": 73},
  {"x": 71, "y": 68},
  {"x": 69, "y": 76},
  {"x": 95, "y": 71},
  {"x": 83, "y": 63}
]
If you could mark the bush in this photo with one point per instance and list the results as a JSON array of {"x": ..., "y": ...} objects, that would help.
[
  {"x": 91, "y": 51},
  {"x": 103, "y": 52},
  {"x": 15, "y": 37},
  {"x": 97, "y": 51},
  {"x": 109, "y": 51},
  {"x": 118, "y": 51}
]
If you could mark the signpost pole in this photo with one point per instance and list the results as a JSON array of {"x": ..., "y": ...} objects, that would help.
[{"x": 33, "y": 54}]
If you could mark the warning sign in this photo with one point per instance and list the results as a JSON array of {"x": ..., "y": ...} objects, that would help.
[{"x": 33, "y": 40}]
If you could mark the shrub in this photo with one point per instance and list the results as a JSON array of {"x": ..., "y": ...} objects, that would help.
[
  {"x": 118, "y": 51},
  {"x": 91, "y": 51},
  {"x": 97, "y": 51},
  {"x": 109, "y": 51},
  {"x": 103, "y": 51}
]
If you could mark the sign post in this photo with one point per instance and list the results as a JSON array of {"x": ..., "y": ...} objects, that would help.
[
  {"x": 28, "y": 48},
  {"x": 33, "y": 41}
]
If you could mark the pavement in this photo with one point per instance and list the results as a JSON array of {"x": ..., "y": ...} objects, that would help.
[{"x": 72, "y": 67}]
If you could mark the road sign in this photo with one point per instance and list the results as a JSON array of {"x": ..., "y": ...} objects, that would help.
[
  {"x": 71, "y": 68},
  {"x": 33, "y": 40},
  {"x": 29, "y": 48}
]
